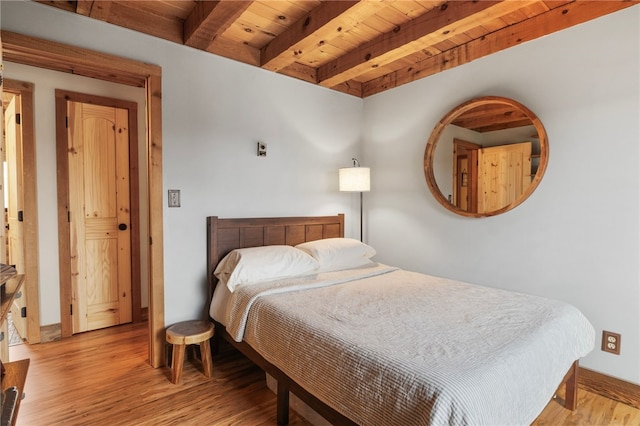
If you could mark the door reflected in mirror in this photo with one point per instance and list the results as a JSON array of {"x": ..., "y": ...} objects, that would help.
[{"x": 485, "y": 157}]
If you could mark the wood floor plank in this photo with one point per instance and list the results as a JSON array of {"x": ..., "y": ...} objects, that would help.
[{"x": 103, "y": 377}]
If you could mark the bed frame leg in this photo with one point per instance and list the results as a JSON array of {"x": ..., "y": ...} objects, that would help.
[
  {"x": 214, "y": 344},
  {"x": 283, "y": 404},
  {"x": 571, "y": 388}
]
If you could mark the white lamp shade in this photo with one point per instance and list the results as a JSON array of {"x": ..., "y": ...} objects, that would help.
[{"x": 355, "y": 179}]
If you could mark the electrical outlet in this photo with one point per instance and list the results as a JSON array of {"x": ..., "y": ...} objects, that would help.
[{"x": 611, "y": 342}]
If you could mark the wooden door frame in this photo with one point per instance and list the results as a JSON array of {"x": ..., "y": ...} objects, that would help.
[
  {"x": 47, "y": 54},
  {"x": 30, "y": 205},
  {"x": 472, "y": 149},
  {"x": 64, "y": 227}
]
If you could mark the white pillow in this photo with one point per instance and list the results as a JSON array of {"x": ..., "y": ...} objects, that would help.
[
  {"x": 338, "y": 253},
  {"x": 259, "y": 264}
]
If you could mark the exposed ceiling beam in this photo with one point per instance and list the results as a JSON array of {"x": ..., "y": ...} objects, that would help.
[
  {"x": 226, "y": 48},
  {"x": 489, "y": 119},
  {"x": 432, "y": 27},
  {"x": 94, "y": 9},
  {"x": 309, "y": 74},
  {"x": 208, "y": 19},
  {"x": 564, "y": 15},
  {"x": 323, "y": 23},
  {"x": 83, "y": 7}
]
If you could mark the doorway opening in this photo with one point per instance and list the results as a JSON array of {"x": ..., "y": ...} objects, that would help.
[
  {"x": 47, "y": 54},
  {"x": 19, "y": 234}
]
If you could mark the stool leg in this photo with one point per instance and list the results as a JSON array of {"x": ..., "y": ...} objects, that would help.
[
  {"x": 205, "y": 355},
  {"x": 176, "y": 363}
]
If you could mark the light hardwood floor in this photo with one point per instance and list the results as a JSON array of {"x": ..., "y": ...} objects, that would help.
[{"x": 103, "y": 377}]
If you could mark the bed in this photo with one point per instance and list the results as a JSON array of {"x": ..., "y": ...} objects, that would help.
[{"x": 366, "y": 343}]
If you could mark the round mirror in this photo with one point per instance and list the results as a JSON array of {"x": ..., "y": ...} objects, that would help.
[{"x": 486, "y": 157}]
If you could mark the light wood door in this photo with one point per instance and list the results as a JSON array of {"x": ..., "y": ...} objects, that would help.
[
  {"x": 100, "y": 236},
  {"x": 504, "y": 174},
  {"x": 15, "y": 208}
]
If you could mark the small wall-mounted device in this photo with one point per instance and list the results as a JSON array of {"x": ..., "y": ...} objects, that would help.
[
  {"x": 174, "y": 198},
  {"x": 262, "y": 149}
]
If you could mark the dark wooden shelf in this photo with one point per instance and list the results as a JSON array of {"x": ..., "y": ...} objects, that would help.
[{"x": 15, "y": 374}]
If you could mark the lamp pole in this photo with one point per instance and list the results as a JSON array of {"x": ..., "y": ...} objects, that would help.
[{"x": 361, "y": 240}]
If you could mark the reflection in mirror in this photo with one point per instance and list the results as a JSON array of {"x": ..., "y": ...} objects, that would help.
[{"x": 485, "y": 157}]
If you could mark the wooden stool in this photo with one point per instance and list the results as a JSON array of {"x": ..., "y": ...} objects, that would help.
[{"x": 187, "y": 333}]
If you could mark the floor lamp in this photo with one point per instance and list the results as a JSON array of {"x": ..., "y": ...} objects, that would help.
[{"x": 355, "y": 179}]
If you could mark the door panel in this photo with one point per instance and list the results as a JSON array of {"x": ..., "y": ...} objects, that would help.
[
  {"x": 99, "y": 203},
  {"x": 102, "y": 282},
  {"x": 505, "y": 173}
]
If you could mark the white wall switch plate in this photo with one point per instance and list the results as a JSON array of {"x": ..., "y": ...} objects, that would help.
[{"x": 174, "y": 198}]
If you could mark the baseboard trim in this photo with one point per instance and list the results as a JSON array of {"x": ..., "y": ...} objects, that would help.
[
  {"x": 610, "y": 387},
  {"x": 50, "y": 333}
]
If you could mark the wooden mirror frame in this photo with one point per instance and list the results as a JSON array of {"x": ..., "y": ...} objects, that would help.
[{"x": 450, "y": 118}]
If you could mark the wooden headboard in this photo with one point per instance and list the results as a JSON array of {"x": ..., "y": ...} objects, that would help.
[{"x": 224, "y": 235}]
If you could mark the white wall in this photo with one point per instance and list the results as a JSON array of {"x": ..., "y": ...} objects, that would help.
[
  {"x": 577, "y": 237},
  {"x": 214, "y": 112}
]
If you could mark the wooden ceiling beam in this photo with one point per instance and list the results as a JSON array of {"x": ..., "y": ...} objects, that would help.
[
  {"x": 83, "y": 7},
  {"x": 64, "y": 5},
  {"x": 226, "y": 48},
  {"x": 132, "y": 15},
  {"x": 435, "y": 26},
  {"x": 515, "y": 119},
  {"x": 301, "y": 72},
  {"x": 309, "y": 74},
  {"x": 94, "y": 9},
  {"x": 489, "y": 110},
  {"x": 323, "y": 23},
  {"x": 492, "y": 127},
  {"x": 564, "y": 16},
  {"x": 209, "y": 19},
  {"x": 350, "y": 87}
]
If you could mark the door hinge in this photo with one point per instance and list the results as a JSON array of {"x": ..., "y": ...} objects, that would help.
[
  {"x": 23, "y": 312},
  {"x": 18, "y": 119},
  {"x": 71, "y": 309},
  {"x": 66, "y": 122},
  {"x": 68, "y": 216},
  {"x": 20, "y": 216}
]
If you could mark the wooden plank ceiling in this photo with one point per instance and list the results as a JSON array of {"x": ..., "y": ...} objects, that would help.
[{"x": 357, "y": 47}]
